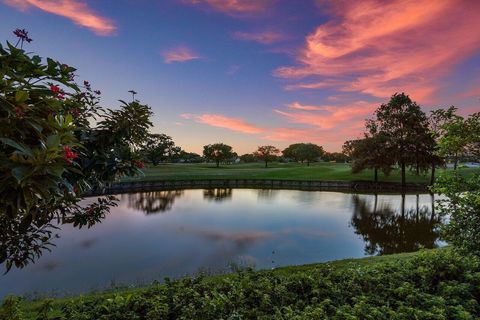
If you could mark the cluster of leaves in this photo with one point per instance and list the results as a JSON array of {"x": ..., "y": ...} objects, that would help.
[
  {"x": 56, "y": 142},
  {"x": 457, "y": 137},
  {"x": 461, "y": 203},
  {"x": 437, "y": 284}
]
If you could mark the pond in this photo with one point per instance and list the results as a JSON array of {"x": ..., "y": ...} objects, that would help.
[{"x": 152, "y": 235}]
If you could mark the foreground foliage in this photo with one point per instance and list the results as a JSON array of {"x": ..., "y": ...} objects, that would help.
[
  {"x": 435, "y": 284},
  {"x": 56, "y": 142}
]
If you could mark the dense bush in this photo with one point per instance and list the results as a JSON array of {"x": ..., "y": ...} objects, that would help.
[
  {"x": 437, "y": 284},
  {"x": 56, "y": 142}
]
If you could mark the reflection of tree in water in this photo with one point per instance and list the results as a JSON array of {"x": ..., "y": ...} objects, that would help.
[
  {"x": 217, "y": 194},
  {"x": 154, "y": 201},
  {"x": 266, "y": 194},
  {"x": 386, "y": 231}
]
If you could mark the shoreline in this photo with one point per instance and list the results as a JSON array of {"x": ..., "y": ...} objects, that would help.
[{"x": 280, "y": 184}]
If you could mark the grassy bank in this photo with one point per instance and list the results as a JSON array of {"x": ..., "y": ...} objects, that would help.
[
  {"x": 316, "y": 171},
  {"x": 433, "y": 284}
]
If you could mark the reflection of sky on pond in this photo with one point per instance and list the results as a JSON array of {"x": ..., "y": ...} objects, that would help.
[{"x": 267, "y": 228}]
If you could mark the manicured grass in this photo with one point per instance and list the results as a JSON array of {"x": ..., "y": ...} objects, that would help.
[
  {"x": 293, "y": 171},
  {"x": 431, "y": 284}
]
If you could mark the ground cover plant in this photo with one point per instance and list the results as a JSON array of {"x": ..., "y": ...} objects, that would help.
[{"x": 433, "y": 284}]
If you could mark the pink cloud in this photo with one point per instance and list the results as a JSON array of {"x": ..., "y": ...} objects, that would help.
[
  {"x": 264, "y": 37},
  {"x": 221, "y": 121},
  {"x": 179, "y": 54},
  {"x": 234, "y": 7},
  {"x": 75, "y": 10},
  {"x": 379, "y": 48},
  {"x": 330, "y": 117}
]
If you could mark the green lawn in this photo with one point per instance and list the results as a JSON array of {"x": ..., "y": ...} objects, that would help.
[{"x": 293, "y": 171}]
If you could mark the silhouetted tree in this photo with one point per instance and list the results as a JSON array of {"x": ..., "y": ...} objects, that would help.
[
  {"x": 248, "y": 158},
  {"x": 158, "y": 148},
  {"x": 218, "y": 152},
  {"x": 335, "y": 156},
  {"x": 370, "y": 152},
  {"x": 266, "y": 153},
  {"x": 303, "y": 152},
  {"x": 404, "y": 125}
]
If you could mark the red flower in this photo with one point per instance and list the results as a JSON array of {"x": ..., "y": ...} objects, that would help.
[
  {"x": 97, "y": 92},
  {"x": 139, "y": 164},
  {"x": 69, "y": 154},
  {"x": 18, "y": 111},
  {"x": 54, "y": 88}
]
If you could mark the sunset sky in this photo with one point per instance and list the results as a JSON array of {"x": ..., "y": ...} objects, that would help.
[{"x": 257, "y": 72}]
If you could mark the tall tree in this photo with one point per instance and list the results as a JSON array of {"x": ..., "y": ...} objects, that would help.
[
  {"x": 267, "y": 154},
  {"x": 449, "y": 131},
  {"x": 217, "y": 152},
  {"x": 370, "y": 152},
  {"x": 401, "y": 121}
]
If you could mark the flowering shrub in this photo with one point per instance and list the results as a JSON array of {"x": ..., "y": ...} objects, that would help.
[{"x": 56, "y": 142}]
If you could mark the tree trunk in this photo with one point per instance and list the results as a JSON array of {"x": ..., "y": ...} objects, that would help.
[
  {"x": 432, "y": 177},
  {"x": 404, "y": 184},
  {"x": 266, "y": 164},
  {"x": 308, "y": 163},
  {"x": 375, "y": 175},
  {"x": 218, "y": 163}
]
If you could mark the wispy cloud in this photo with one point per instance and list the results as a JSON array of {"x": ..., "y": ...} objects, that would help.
[
  {"x": 378, "y": 48},
  {"x": 179, "y": 54},
  {"x": 263, "y": 37},
  {"x": 221, "y": 121},
  {"x": 75, "y": 10},
  {"x": 329, "y": 117},
  {"x": 234, "y": 68},
  {"x": 234, "y": 7}
]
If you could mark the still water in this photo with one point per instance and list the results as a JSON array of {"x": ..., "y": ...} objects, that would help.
[{"x": 152, "y": 235}]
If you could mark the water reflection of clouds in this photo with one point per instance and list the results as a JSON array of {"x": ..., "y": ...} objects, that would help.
[
  {"x": 247, "y": 238},
  {"x": 88, "y": 243}
]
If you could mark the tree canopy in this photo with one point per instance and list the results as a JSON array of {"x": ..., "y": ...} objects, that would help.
[
  {"x": 266, "y": 154},
  {"x": 304, "y": 152},
  {"x": 158, "y": 148},
  {"x": 218, "y": 152}
]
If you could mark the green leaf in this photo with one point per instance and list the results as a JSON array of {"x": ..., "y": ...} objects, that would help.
[
  {"x": 53, "y": 141},
  {"x": 20, "y": 173},
  {"x": 21, "y": 96},
  {"x": 20, "y": 147}
]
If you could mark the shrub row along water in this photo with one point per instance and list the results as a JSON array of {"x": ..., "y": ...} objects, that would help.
[{"x": 435, "y": 284}]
